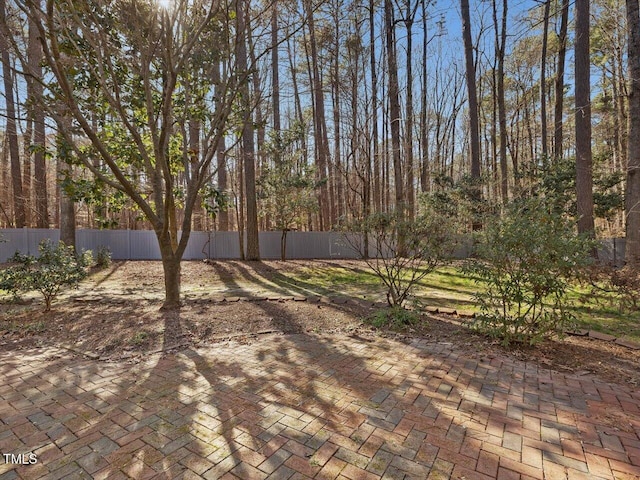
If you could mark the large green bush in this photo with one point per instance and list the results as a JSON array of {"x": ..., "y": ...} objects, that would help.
[
  {"x": 56, "y": 267},
  {"x": 525, "y": 261}
]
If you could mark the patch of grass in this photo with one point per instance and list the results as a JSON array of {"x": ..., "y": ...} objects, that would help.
[
  {"x": 601, "y": 311},
  {"x": 450, "y": 287},
  {"x": 394, "y": 318},
  {"x": 139, "y": 338},
  {"x": 17, "y": 327}
]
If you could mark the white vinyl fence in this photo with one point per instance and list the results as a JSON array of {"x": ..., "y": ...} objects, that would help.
[{"x": 142, "y": 244}]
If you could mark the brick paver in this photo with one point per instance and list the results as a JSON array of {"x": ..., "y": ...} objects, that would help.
[{"x": 311, "y": 406}]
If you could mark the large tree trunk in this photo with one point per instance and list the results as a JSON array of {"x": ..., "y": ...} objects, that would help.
[
  {"x": 283, "y": 245},
  {"x": 171, "y": 268},
  {"x": 543, "y": 79},
  {"x": 409, "y": 111},
  {"x": 424, "y": 130},
  {"x": 472, "y": 93},
  {"x": 67, "y": 220},
  {"x": 64, "y": 168},
  {"x": 39, "y": 139},
  {"x": 275, "y": 72},
  {"x": 584, "y": 178},
  {"x": 394, "y": 106},
  {"x": 11, "y": 128},
  {"x": 559, "y": 87},
  {"x": 319, "y": 124},
  {"x": 377, "y": 194},
  {"x": 632, "y": 197},
  {"x": 501, "y": 40},
  {"x": 248, "y": 149}
]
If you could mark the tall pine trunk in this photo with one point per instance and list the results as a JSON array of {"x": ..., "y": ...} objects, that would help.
[
  {"x": 500, "y": 42},
  {"x": 543, "y": 79},
  {"x": 472, "y": 94},
  {"x": 377, "y": 193},
  {"x": 394, "y": 106},
  {"x": 409, "y": 112},
  {"x": 319, "y": 125},
  {"x": 11, "y": 127},
  {"x": 632, "y": 197},
  {"x": 558, "y": 135},
  {"x": 39, "y": 139},
  {"x": 584, "y": 177},
  {"x": 248, "y": 148}
]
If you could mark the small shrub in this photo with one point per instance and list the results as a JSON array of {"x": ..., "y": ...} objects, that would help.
[
  {"x": 86, "y": 258},
  {"x": 139, "y": 338},
  {"x": 56, "y": 267},
  {"x": 526, "y": 260},
  {"x": 394, "y": 317},
  {"x": 103, "y": 257},
  {"x": 402, "y": 251}
]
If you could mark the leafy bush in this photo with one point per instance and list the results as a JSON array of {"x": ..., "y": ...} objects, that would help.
[
  {"x": 103, "y": 257},
  {"x": 405, "y": 250},
  {"x": 526, "y": 260},
  {"x": 56, "y": 267}
]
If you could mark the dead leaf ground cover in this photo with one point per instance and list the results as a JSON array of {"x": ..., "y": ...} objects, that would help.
[{"x": 115, "y": 314}]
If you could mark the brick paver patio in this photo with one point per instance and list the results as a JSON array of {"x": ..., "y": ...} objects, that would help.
[{"x": 307, "y": 406}]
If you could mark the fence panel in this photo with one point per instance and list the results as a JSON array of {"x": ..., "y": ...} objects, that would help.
[
  {"x": 143, "y": 245},
  {"x": 611, "y": 251},
  {"x": 224, "y": 245},
  {"x": 24, "y": 240}
]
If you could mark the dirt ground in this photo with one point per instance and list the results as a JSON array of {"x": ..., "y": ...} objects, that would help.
[{"x": 116, "y": 314}]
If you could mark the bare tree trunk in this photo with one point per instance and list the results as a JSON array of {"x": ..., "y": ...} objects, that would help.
[
  {"x": 172, "y": 268},
  {"x": 319, "y": 125},
  {"x": 408, "y": 134},
  {"x": 275, "y": 73},
  {"x": 584, "y": 177},
  {"x": 67, "y": 220},
  {"x": 501, "y": 40},
  {"x": 424, "y": 127},
  {"x": 559, "y": 87},
  {"x": 543, "y": 79},
  {"x": 337, "y": 205},
  {"x": 377, "y": 194},
  {"x": 11, "y": 127},
  {"x": 194, "y": 153},
  {"x": 27, "y": 143},
  {"x": 221, "y": 160},
  {"x": 473, "y": 102},
  {"x": 283, "y": 245},
  {"x": 240, "y": 204},
  {"x": 394, "y": 106},
  {"x": 248, "y": 148},
  {"x": 39, "y": 138},
  {"x": 632, "y": 197}
]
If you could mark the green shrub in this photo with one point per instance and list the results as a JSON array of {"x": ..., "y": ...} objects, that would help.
[
  {"x": 526, "y": 260},
  {"x": 103, "y": 257},
  {"x": 56, "y": 267},
  {"x": 402, "y": 251},
  {"x": 394, "y": 317},
  {"x": 86, "y": 258}
]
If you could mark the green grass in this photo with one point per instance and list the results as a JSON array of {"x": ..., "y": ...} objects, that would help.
[{"x": 449, "y": 287}]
